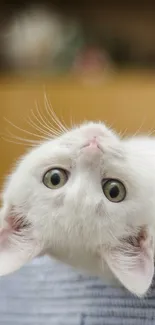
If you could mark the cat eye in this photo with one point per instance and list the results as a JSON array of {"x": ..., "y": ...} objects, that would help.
[
  {"x": 114, "y": 190},
  {"x": 55, "y": 178}
]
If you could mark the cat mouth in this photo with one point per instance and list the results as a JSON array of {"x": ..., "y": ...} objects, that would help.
[{"x": 92, "y": 145}]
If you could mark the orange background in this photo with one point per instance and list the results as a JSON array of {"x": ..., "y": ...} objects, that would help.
[{"x": 125, "y": 100}]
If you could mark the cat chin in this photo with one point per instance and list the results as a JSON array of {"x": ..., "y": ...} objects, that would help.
[
  {"x": 129, "y": 264},
  {"x": 90, "y": 264},
  {"x": 92, "y": 267}
]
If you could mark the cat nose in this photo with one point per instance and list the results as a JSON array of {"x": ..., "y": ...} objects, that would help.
[{"x": 92, "y": 143}]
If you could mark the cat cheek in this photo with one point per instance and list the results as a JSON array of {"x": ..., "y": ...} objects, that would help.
[
  {"x": 133, "y": 266},
  {"x": 18, "y": 241}
]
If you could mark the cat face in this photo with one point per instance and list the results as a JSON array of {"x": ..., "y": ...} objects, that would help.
[{"x": 87, "y": 198}]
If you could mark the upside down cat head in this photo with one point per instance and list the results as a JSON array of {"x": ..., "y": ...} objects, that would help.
[{"x": 86, "y": 198}]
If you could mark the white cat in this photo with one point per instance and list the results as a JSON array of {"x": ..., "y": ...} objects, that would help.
[{"x": 86, "y": 198}]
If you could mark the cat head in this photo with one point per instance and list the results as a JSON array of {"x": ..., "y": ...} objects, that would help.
[{"x": 85, "y": 194}]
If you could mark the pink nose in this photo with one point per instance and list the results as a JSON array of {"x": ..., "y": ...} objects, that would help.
[{"x": 93, "y": 142}]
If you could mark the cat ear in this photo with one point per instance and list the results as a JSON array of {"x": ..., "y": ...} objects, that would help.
[
  {"x": 18, "y": 241},
  {"x": 133, "y": 263}
]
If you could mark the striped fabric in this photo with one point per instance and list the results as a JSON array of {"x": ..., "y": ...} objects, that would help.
[{"x": 48, "y": 293}]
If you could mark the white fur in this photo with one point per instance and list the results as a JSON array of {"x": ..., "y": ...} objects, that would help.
[{"x": 76, "y": 223}]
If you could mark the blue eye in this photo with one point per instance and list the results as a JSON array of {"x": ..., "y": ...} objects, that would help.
[
  {"x": 114, "y": 190},
  {"x": 55, "y": 178}
]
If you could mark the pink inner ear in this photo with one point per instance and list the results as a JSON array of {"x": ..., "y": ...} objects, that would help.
[
  {"x": 13, "y": 224},
  {"x": 18, "y": 222},
  {"x": 19, "y": 242},
  {"x": 4, "y": 233},
  {"x": 133, "y": 263},
  {"x": 12, "y": 220}
]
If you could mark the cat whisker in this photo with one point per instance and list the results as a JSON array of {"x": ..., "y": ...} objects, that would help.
[
  {"x": 54, "y": 120},
  {"x": 110, "y": 126},
  {"x": 23, "y": 130},
  {"x": 151, "y": 132},
  {"x": 61, "y": 119},
  {"x": 140, "y": 127},
  {"x": 24, "y": 140},
  {"x": 42, "y": 129},
  {"x": 52, "y": 115},
  {"x": 72, "y": 123},
  {"x": 36, "y": 127},
  {"x": 64, "y": 124},
  {"x": 39, "y": 119},
  {"x": 44, "y": 121},
  {"x": 18, "y": 142},
  {"x": 123, "y": 133}
]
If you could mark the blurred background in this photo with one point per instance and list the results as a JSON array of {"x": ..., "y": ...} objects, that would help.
[{"x": 92, "y": 60}]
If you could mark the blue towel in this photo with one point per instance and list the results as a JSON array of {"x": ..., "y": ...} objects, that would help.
[{"x": 46, "y": 292}]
